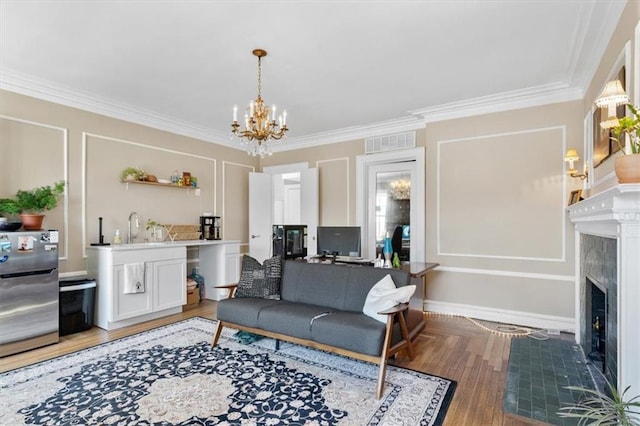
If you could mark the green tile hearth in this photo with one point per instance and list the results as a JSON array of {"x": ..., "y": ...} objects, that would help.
[{"x": 537, "y": 375}]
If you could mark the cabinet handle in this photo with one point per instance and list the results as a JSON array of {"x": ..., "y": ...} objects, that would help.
[{"x": 255, "y": 236}]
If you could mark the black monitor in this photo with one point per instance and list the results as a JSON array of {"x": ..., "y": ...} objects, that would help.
[{"x": 339, "y": 240}]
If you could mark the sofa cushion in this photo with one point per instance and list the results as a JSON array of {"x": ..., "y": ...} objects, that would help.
[
  {"x": 385, "y": 295},
  {"x": 340, "y": 287},
  {"x": 260, "y": 280},
  {"x": 292, "y": 319},
  {"x": 242, "y": 311},
  {"x": 350, "y": 330}
]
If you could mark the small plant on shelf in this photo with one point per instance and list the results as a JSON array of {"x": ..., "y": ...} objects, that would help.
[{"x": 131, "y": 174}]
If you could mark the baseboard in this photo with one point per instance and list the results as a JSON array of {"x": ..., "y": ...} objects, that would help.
[{"x": 526, "y": 319}]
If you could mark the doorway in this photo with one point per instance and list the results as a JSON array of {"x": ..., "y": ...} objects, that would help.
[{"x": 390, "y": 200}]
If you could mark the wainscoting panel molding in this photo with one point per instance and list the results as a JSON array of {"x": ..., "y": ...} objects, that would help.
[
  {"x": 334, "y": 193},
  {"x": 40, "y": 162},
  {"x": 511, "y": 211}
]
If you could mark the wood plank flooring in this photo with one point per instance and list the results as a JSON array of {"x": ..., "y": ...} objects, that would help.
[{"x": 450, "y": 347}]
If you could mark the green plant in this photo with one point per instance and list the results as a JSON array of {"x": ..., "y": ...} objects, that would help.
[
  {"x": 8, "y": 207},
  {"x": 601, "y": 409},
  {"x": 39, "y": 199},
  {"x": 151, "y": 224},
  {"x": 137, "y": 174},
  {"x": 629, "y": 126}
]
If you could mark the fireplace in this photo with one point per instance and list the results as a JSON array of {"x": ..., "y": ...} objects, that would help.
[{"x": 607, "y": 244}]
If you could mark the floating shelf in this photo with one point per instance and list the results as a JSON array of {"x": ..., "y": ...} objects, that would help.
[{"x": 168, "y": 185}]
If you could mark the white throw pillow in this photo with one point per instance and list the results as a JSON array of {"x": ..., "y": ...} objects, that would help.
[{"x": 385, "y": 295}]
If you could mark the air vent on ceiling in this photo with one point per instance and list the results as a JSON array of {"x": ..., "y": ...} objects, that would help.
[{"x": 390, "y": 142}]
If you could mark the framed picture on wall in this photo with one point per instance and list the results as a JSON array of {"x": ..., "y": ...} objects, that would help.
[
  {"x": 575, "y": 196},
  {"x": 603, "y": 146}
]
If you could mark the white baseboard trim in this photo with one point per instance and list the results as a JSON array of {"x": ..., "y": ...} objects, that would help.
[
  {"x": 527, "y": 319},
  {"x": 73, "y": 274}
]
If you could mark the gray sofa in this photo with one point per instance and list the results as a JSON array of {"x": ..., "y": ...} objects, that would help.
[{"x": 321, "y": 307}]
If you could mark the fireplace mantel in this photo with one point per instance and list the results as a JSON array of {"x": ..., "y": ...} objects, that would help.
[{"x": 615, "y": 213}]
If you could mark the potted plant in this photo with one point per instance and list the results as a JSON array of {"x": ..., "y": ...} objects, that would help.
[
  {"x": 32, "y": 203},
  {"x": 131, "y": 174},
  {"x": 154, "y": 231},
  {"x": 627, "y": 136},
  {"x": 8, "y": 209},
  {"x": 602, "y": 409}
]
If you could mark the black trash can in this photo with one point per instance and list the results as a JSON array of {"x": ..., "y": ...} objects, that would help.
[{"x": 77, "y": 305}]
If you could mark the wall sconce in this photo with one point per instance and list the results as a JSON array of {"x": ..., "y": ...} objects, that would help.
[
  {"x": 571, "y": 157},
  {"x": 612, "y": 95}
]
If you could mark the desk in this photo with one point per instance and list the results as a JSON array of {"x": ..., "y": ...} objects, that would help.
[{"x": 419, "y": 270}]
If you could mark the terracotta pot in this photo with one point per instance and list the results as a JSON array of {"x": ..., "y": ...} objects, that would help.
[
  {"x": 32, "y": 222},
  {"x": 628, "y": 168}
]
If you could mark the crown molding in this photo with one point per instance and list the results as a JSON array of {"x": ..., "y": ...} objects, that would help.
[
  {"x": 27, "y": 85},
  {"x": 380, "y": 128},
  {"x": 46, "y": 90},
  {"x": 516, "y": 99}
]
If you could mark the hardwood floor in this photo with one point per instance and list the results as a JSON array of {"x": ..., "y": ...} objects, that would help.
[{"x": 450, "y": 347}]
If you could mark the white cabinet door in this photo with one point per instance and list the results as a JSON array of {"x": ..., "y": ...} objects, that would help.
[
  {"x": 129, "y": 305},
  {"x": 232, "y": 263},
  {"x": 169, "y": 283}
]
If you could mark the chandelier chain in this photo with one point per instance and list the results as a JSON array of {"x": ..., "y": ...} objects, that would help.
[{"x": 259, "y": 77}]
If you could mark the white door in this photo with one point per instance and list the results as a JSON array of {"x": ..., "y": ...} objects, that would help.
[
  {"x": 261, "y": 209},
  {"x": 260, "y": 215},
  {"x": 309, "y": 207}
]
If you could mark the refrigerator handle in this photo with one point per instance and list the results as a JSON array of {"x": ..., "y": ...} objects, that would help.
[{"x": 27, "y": 274}]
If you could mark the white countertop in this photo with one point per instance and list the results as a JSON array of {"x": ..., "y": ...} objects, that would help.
[{"x": 145, "y": 246}]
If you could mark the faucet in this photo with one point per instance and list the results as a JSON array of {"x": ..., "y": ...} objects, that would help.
[{"x": 137, "y": 225}]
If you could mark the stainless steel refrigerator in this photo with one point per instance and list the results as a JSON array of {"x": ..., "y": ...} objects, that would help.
[{"x": 29, "y": 290}]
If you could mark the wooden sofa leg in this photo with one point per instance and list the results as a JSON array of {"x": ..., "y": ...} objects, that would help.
[
  {"x": 383, "y": 357},
  {"x": 216, "y": 333},
  {"x": 405, "y": 335}
]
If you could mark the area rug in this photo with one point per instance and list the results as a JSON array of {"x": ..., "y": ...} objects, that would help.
[{"x": 171, "y": 376}]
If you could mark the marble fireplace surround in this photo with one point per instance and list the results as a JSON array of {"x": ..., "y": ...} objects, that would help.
[{"x": 614, "y": 213}]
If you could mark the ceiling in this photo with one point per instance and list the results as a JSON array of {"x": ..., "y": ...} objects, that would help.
[{"x": 342, "y": 69}]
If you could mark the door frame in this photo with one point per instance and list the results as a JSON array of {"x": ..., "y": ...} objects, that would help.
[{"x": 363, "y": 163}]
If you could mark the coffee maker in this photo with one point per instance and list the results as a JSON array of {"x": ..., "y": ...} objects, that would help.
[{"x": 210, "y": 228}]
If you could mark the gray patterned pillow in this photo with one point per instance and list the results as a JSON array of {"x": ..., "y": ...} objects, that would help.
[{"x": 262, "y": 281}]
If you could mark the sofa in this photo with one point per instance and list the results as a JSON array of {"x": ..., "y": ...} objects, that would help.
[{"x": 321, "y": 306}]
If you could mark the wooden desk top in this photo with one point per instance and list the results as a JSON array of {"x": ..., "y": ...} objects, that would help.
[{"x": 418, "y": 269}]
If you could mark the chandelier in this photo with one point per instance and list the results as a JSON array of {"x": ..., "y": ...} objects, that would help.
[
  {"x": 400, "y": 189},
  {"x": 260, "y": 125}
]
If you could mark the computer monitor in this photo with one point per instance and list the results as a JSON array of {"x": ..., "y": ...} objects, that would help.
[{"x": 339, "y": 240}]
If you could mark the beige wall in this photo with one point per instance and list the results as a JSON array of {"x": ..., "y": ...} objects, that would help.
[
  {"x": 496, "y": 221},
  {"x": 42, "y": 142}
]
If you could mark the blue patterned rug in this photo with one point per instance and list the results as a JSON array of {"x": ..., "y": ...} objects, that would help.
[{"x": 172, "y": 376}]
